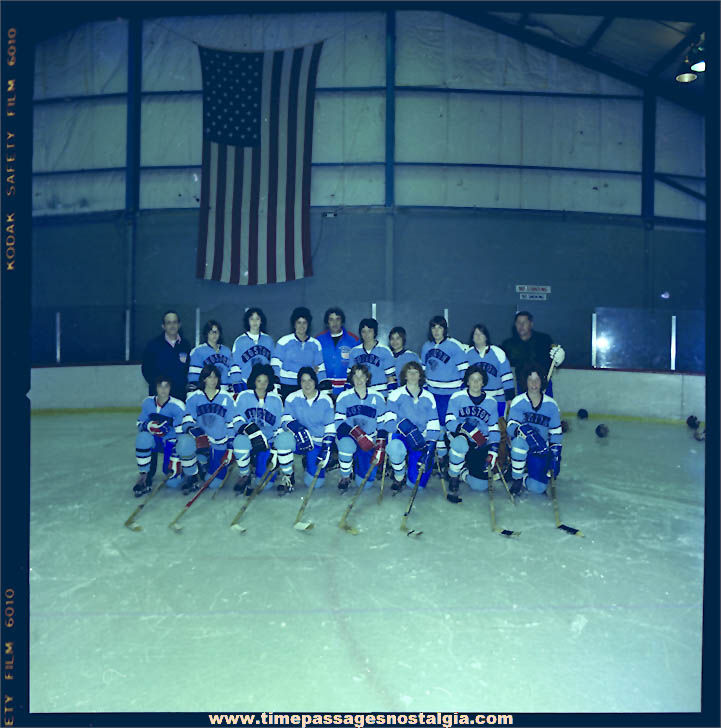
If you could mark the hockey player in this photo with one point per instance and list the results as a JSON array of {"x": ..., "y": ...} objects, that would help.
[
  {"x": 413, "y": 421},
  {"x": 297, "y": 350},
  {"x": 250, "y": 348},
  {"x": 336, "y": 343},
  {"x": 209, "y": 418},
  {"x": 401, "y": 355},
  {"x": 534, "y": 426},
  {"x": 160, "y": 431},
  {"x": 213, "y": 351},
  {"x": 444, "y": 363},
  {"x": 473, "y": 418},
  {"x": 375, "y": 356},
  {"x": 360, "y": 423},
  {"x": 493, "y": 360},
  {"x": 258, "y": 414},
  {"x": 310, "y": 418}
]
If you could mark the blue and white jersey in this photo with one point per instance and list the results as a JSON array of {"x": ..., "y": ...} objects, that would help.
[
  {"x": 545, "y": 419},
  {"x": 206, "y": 354},
  {"x": 171, "y": 412},
  {"x": 444, "y": 365},
  {"x": 494, "y": 362},
  {"x": 480, "y": 412},
  {"x": 401, "y": 359},
  {"x": 317, "y": 415},
  {"x": 247, "y": 352},
  {"x": 380, "y": 363},
  {"x": 420, "y": 410},
  {"x": 216, "y": 416},
  {"x": 369, "y": 413},
  {"x": 266, "y": 413},
  {"x": 291, "y": 354}
]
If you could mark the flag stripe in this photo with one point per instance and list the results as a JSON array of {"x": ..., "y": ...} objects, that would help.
[
  {"x": 220, "y": 211},
  {"x": 254, "y": 218},
  {"x": 204, "y": 207},
  {"x": 273, "y": 114},
  {"x": 290, "y": 270},
  {"x": 237, "y": 216}
]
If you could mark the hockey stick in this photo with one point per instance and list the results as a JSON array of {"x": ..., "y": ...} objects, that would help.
[
  {"x": 265, "y": 479},
  {"x": 342, "y": 523},
  {"x": 505, "y": 485},
  {"x": 404, "y": 526},
  {"x": 492, "y": 509},
  {"x": 451, "y": 497},
  {"x": 130, "y": 523},
  {"x": 174, "y": 523},
  {"x": 299, "y": 525},
  {"x": 383, "y": 483},
  {"x": 225, "y": 479},
  {"x": 562, "y": 526}
]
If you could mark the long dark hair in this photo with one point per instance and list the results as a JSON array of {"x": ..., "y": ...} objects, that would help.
[
  {"x": 249, "y": 313},
  {"x": 205, "y": 372},
  {"x": 206, "y": 330},
  {"x": 259, "y": 369},
  {"x": 437, "y": 321},
  {"x": 484, "y": 330}
]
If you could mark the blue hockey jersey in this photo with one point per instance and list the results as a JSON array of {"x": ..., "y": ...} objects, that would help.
[
  {"x": 291, "y": 354},
  {"x": 495, "y": 363},
  {"x": 482, "y": 414},
  {"x": 380, "y": 363},
  {"x": 336, "y": 357},
  {"x": 247, "y": 352},
  {"x": 444, "y": 365},
  {"x": 421, "y": 411},
  {"x": 216, "y": 416},
  {"x": 171, "y": 412},
  {"x": 369, "y": 413},
  {"x": 545, "y": 419},
  {"x": 266, "y": 413},
  {"x": 206, "y": 354},
  {"x": 402, "y": 358},
  {"x": 317, "y": 415}
]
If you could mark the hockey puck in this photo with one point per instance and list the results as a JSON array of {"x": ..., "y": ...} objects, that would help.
[
  {"x": 693, "y": 422},
  {"x": 564, "y": 426},
  {"x": 602, "y": 431},
  {"x": 582, "y": 414}
]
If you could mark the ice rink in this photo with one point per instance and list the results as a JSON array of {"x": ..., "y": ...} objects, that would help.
[{"x": 457, "y": 619}]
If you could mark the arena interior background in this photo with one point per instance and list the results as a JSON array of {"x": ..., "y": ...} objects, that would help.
[{"x": 446, "y": 162}]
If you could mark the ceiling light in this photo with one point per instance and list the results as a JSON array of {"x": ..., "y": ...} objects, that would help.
[{"x": 684, "y": 73}]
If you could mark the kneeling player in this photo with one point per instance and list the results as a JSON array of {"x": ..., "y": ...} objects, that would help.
[
  {"x": 358, "y": 414},
  {"x": 259, "y": 411},
  {"x": 473, "y": 417},
  {"x": 414, "y": 423},
  {"x": 309, "y": 416},
  {"x": 209, "y": 418},
  {"x": 534, "y": 425},
  {"x": 160, "y": 431}
]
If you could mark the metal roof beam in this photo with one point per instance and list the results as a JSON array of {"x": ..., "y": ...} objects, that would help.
[
  {"x": 596, "y": 35},
  {"x": 678, "y": 95}
]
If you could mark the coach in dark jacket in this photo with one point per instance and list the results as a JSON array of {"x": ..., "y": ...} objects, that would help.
[
  {"x": 168, "y": 355},
  {"x": 527, "y": 346}
]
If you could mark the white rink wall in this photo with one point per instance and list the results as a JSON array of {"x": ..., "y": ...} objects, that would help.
[{"x": 600, "y": 391}]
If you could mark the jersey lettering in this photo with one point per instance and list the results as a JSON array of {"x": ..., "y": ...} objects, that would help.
[
  {"x": 255, "y": 351},
  {"x": 361, "y": 409},
  {"x": 258, "y": 414},
  {"x": 492, "y": 371},
  {"x": 371, "y": 359},
  {"x": 474, "y": 411},
  {"x": 216, "y": 359},
  {"x": 535, "y": 418},
  {"x": 211, "y": 409},
  {"x": 436, "y": 354}
]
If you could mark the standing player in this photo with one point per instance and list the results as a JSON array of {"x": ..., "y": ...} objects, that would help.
[
  {"x": 534, "y": 426},
  {"x": 401, "y": 355},
  {"x": 375, "y": 356},
  {"x": 167, "y": 355},
  {"x": 473, "y": 418},
  {"x": 209, "y": 418},
  {"x": 360, "y": 423},
  {"x": 444, "y": 363},
  {"x": 214, "y": 352},
  {"x": 414, "y": 423},
  {"x": 336, "y": 343},
  {"x": 309, "y": 416},
  {"x": 160, "y": 431},
  {"x": 250, "y": 348},
  {"x": 297, "y": 350},
  {"x": 258, "y": 414}
]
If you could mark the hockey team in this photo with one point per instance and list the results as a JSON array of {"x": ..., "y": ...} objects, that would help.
[{"x": 348, "y": 402}]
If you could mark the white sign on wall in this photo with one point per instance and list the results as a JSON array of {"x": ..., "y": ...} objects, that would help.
[
  {"x": 533, "y": 297},
  {"x": 532, "y": 289}
]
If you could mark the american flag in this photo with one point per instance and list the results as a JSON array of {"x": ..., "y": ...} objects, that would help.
[{"x": 255, "y": 186}]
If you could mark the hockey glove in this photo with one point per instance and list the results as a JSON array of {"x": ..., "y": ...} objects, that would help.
[
  {"x": 492, "y": 456},
  {"x": 158, "y": 428},
  {"x": 363, "y": 441},
  {"x": 258, "y": 440},
  {"x": 201, "y": 439},
  {"x": 324, "y": 454},
  {"x": 174, "y": 466},
  {"x": 426, "y": 459},
  {"x": 535, "y": 442},
  {"x": 474, "y": 436},
  {"x": 557, "y": 355},
  {"x": 556, "y": 459},
  {"x": 379, "y": 451},
  {"x": 411, "y": 434},
  {"x": 303, "y": 440},
  {"x": 227, "y": 457}
]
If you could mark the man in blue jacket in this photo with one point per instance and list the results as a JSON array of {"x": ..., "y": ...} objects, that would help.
[
  {"x": 336, "y": 343},
  {"x": 168, "y": 355}
]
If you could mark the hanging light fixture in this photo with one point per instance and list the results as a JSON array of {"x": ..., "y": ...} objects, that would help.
[
  {"x": 684, "y": 73},
  {"x": 697, "y": 57}
]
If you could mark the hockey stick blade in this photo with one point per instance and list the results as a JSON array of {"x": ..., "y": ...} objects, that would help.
[
  {"x": 303, "y": 525},
  {"x": 571, "y": 530},
  {"x": 238, "y": 528},
  {"x": 506, "y": 532},
  {"x": 414, "y": 533}
]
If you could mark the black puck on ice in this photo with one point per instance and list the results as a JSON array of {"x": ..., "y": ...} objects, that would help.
[
  {"x": 602, "y": 430},
  {"x": 564, "y": 426},
  {"x": 693, "y": 422},
  {"x": 582, "y": 414}
]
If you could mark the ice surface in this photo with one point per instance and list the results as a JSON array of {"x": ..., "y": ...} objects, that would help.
[{"x": 458, "y": 619}]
